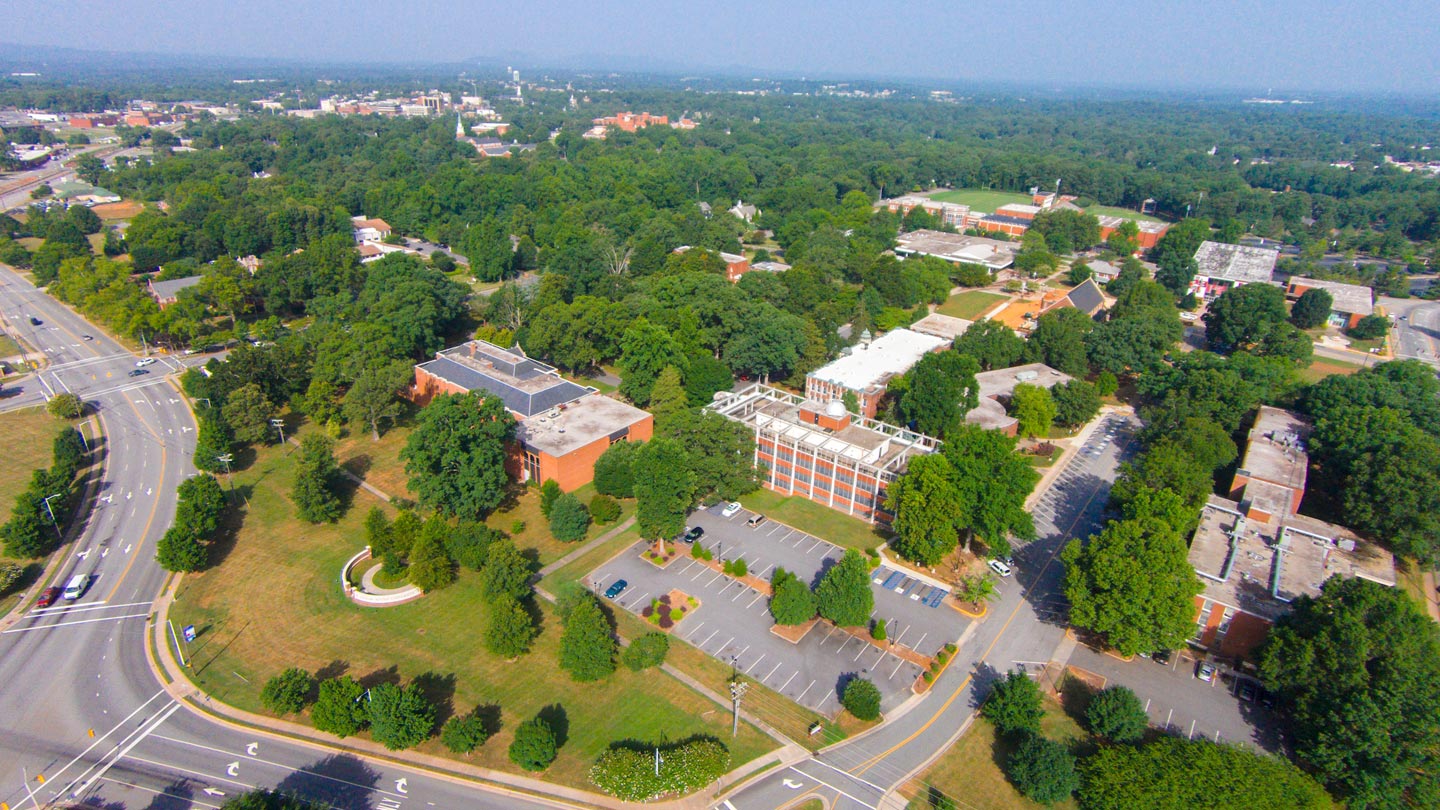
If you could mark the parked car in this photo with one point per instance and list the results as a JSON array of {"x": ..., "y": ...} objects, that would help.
[
  {"x": 138, "y": 372},
  {"x": 731, "y": 509},
  {"x": 616, "y": 589},
  {"x": 1205, "y": 672},
  {"x": 1161, "y": 657},
  {"x": 1267, "y": 698},
  {"x": 1246, "y": 692},
  {"x": 86, "y": 337},
  {"x": 755, "y": 520},
  {"x": 1001, "y": 568},
  {"x": 693, "y": 533},
  {"x": 144, "y": 361},
  {"x": 48, "y": 596}
]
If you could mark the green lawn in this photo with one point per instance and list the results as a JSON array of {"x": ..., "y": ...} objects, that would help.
[
  {"x": 576, "y": 569},
  {"x": 8, "y": 346},
  {"x": 980, "y": 199},
  {"x": 970, "y": 771},
  {"x": 27, "y": 436},
  {"x": 272, "y": 600},
  {"x": 1112, "y": 211},
  {"x": 821, "y": 521},
  {"x": 1322, "y": 367},
  {"x": 969, "y": 304}
]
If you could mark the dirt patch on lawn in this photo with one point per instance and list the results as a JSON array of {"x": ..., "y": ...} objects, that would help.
[{"x": 125, "y": 209}]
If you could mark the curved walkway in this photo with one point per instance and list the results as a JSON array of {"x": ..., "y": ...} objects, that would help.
[{"x": 367, "y": 583}]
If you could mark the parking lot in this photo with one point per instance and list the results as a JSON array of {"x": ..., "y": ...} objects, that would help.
[
  {"x": 733, "y": 621},
  {"x": 1182, "y": 704}
]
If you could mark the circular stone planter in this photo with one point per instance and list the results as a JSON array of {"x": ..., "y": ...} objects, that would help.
[{"x": 368, "y": 595}]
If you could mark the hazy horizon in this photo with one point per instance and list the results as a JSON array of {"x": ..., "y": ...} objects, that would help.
[{"x": 1344, "y": 47}]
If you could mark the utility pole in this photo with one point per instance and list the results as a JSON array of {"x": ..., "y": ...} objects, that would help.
[
  {"x": 737, "y": 691},
  {"x": 657, "y": 761},
  {"x": 280, "y": 426}
]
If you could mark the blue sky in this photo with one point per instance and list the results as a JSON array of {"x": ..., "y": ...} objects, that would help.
[{"x": 1315, "y": 45}]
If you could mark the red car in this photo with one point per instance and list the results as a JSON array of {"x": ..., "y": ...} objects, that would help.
[{"x": 48, "y": 597}]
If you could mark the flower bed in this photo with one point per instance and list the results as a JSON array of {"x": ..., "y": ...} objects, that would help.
[
  {"x": 661, "y": 554},
  {"x": 938, "y": 664},
  {"x": 668, "y": 609}
]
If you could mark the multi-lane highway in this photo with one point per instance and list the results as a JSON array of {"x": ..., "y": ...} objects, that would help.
[
  {"x": 80, "y": 706},
  {"x": 1025, "y": 629}
]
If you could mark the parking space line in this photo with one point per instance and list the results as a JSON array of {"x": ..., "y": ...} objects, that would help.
[
  {"x": 641, "y": 600},
  {"x": 711, "y": 581},
  {"x": 738, "y": 594},
  {"x": 741, "y": 654},
  {"x": 688, "y": 565},
  {"x": 754, "y": 663},
  {"x": 803, "y": 538},
  {"x": 777, "y": 528},
  {"x": 757, "y": 598},
  {"x": 812, "y": 548},
  {"x": 766, "y": 571},
  {"x": 917, "y": 644},
  {"x": 802, "y": 694},
  {"x": 897, "y": 667},
  {"x": 787, "y": 681},
  {"x": 786, "y": 537},
  {"x": 771, "y": 672},
  {"x": 695, "y": 632},
  {"x": 707, "y": 638},
  {"x": 863, "y": 648},
  {"x": 902, "y": 633},
  {"x": 699, "y": 573}
]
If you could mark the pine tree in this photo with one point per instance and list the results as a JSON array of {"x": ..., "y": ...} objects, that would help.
[{"x": 587, "y": 647}]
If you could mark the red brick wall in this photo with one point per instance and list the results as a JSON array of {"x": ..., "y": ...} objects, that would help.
[{"x": 427, "y": 386}]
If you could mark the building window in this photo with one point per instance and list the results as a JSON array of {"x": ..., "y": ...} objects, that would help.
[
  {"x": 532, "y": 466},
  {"x": 1225, "y": 621}
]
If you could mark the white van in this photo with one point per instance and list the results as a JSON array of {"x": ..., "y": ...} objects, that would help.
[{"x": 75, "y": 587}]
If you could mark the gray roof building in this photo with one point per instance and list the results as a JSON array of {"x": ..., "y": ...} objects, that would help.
[
  {"x": 169, "y": 291},
  {"x": 526, "y": 386},
  {"x": 1236, "y": 264}
]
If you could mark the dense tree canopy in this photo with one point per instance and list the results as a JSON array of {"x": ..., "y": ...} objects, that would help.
[{"x": 456, "y": 455}]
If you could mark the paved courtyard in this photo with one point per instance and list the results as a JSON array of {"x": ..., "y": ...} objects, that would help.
[{"x": 733, "y": 621}]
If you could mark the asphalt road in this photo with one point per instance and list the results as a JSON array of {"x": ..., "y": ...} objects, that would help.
[
  {"x": 1416, "y": 328},
  {"x": 79, "y": 669},
  {"x": 1024, "y": 629}
]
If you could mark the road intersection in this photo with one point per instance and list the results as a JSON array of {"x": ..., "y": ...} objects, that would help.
[{"x": 83, "y": 709}]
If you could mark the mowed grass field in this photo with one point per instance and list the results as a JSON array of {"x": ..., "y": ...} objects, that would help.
[
  {"x": 970, "y": 304},
  {"x": 971, "y": 771},
  {"x": 981, "y": 199},
  {"x": 27, "y": 435},
  {"x": 272, "y": 600},
  {"x": 821, "y": 521}
]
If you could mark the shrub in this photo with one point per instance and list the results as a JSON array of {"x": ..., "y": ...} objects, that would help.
[
  {"x": 463, "y": 734},
  {"x": 604, "y": 509},
  {"x": 534, "y": 745},
  {"x": 65, "y": 406},
  {"x": 1369, "y": 327},
  {"x": 736, "y": 568},
  {"x": 1042, "y": 770},
  {"x": 628, "y": 771},
  {"x": 338, "y": 707},
  {"x": 878, "y": 631},
  {"x": 928, "y": 675},
  {"x": 511, "y": 629},
  {"x": 569, "y": 519},
  {"x": 430, "y": 567},
  {"x": 1106, "y": 384},
  {"x": 646, "y": 651},
  {"x": 791, "y": 601},
  {"x": 549, "y": 492},
  {"x": 1014, "y": 704},
  {"x": 517, "y": 527},
  {"x": 9, "y": 575},
  {"x": 1117, "y": 714},
  {"x": 287, "y": 692},
  {"x": 862, "y": 699}
]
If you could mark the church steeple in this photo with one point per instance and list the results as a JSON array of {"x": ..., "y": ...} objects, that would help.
[{"x": 459, "y": 128}]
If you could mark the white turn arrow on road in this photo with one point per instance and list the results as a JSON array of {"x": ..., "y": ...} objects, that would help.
[
  {"x": 252, "y": 748},
  {"x": 400, "y": 785},
  {"x": 233, "y": 769},
  {"x": 793, "y": 785},
  {"x": 214, "y": 792}
]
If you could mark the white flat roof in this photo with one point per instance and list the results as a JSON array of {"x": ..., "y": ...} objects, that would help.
[{"x": 894, "y": 352}]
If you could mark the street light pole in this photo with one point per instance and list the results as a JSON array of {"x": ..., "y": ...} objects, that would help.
[
  {"x": 279, "y": 426},
  {"x": 51, "y": 512}
]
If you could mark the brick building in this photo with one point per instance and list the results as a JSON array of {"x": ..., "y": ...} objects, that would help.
[
  {"x": 819, "y": 451},
  {"x": 1220, "y": 267},
  {"x": 1348, "y": 302},
  {"x": 1255, "y": 554},
  {"x": 869, "y": 366},
  {"x": 562, "y": 427}
]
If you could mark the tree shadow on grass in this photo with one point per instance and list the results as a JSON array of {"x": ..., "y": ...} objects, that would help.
[
  {"x": 440, "y": 691},
  {"x": 1075, "y": 697},
  {"x": 489, "y": 714},
  {"x": 334, "y": 669},
  {"x": 559, "y": 722},
  {"x": 390, "y": 675},
  {"x": 222, "y": 542}
]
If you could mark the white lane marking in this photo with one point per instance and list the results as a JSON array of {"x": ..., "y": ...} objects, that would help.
[
  {"x": 787, "y": 681},
  {"x": 802, "y": 694},
  {"x": 832, "y": 787},
  {"x": 205, "y": 776},
  {"x": 113, "y": 780},
  {"x": 77, "y": 607},
  {"x": 771, "y": 672},
  {"x": 280, "y": 765},
  {"x": 135, "y": 740},
  {"x": 71, "y": 624}
]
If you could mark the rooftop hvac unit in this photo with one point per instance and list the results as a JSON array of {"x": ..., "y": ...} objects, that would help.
[{"x": 1346, "y": 544}]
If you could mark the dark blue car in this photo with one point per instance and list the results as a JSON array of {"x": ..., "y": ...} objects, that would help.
[{"x": 616, "y": 589}]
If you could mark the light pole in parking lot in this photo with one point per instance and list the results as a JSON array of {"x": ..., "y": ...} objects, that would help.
[{"x": 280, "y": 426}]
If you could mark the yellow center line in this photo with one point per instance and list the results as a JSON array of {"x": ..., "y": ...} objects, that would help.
[
  {"x": 155, "y": 503},
  {"x": 867, "y": 764}
]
